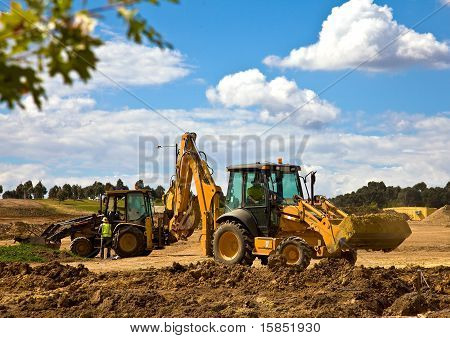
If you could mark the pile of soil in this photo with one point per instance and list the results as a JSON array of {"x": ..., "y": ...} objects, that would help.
[
  {"x": 20, "y": 229},
  {"x": 13, "y": 208},
  {"x": 440, "y": 217},
  {"x": 331, "y": 288}
]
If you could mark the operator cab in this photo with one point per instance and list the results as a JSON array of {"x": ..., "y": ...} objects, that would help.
[
  {"x": 263, "y": 189},
  {"x": 255, "y": 185},
  {"x": 128, "y": 206}
]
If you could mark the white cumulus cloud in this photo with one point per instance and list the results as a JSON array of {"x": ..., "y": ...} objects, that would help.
[
  {"x": 361, "y": 31},
  {"x": 127, "y": 64},
  {"x": 62, "y": 144},
  {"x": 133, "y": 64},
  {"x": 276, "y": 98}
]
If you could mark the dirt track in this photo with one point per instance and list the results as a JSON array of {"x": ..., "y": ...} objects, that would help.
[
  {"x": 329, "y": 289},
  {"x": 428, "y": 246}
]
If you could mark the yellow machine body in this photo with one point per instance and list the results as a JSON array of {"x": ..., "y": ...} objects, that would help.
[{"x": 326, "y": 229}]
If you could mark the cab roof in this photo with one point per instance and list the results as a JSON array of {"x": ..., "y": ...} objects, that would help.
[
  {"x": 124, "y": 192},
  {"x": 270, "y": 166}
]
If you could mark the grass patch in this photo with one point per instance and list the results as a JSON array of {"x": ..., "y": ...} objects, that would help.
[
  {"x": 28, "y": 253},
  {"x": 85, "y": 206}
]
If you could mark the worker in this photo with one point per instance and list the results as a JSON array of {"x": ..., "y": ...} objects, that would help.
[
  {"x": 106, "y": 238},
  {"x": 256, "y": 194}
]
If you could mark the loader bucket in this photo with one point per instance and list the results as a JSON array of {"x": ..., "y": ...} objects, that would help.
[
  {"x": 375, "y": 232},
  {"x": 38, "y": 240}
]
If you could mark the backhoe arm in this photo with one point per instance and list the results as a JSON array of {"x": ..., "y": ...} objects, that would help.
[{"x": 191, "y": 166}]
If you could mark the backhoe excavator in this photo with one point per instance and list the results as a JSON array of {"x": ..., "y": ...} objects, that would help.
[{"x": 268, "y": 210}]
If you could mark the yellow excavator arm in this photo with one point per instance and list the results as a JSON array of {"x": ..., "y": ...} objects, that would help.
[{"x": 191, "y": 166}]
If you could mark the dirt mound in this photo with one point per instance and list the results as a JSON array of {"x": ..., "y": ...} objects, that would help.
[
  {"x": 412, "y": 304},
  {"x": 51, "y": 276},
  {"x": 440, "y": 217},
  {"x": 329, "y": 289},
  {"x": 20, "y": 229},
  {"x": 10, "y": 208}
]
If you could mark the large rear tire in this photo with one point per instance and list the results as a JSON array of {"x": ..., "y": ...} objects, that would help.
[
  {"x": 129, "y": 242},
  {"x": 233, "y": 244},
  {"x": 296, "y": 251},
  {"x": 83, "y": 247}
]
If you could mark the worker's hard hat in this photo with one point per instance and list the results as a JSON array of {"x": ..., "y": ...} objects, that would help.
[{"x": 105, "y": 219}]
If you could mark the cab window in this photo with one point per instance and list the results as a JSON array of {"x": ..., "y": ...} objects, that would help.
[
  {"x": 116, "y": 208},
  {"x": 234, "y": 194},
  {"x": 285, "y": 186},
  {"x": 255, "y": 194},
  {"x": 291, "y": 187},
  {"x": 135, "y": 206}
]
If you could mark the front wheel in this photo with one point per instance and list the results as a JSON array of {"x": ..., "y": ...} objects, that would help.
[
  {"x": 296, "y": 251},
  {"x": 233, "y": 244},
  {"x": 83, "y": 247}
]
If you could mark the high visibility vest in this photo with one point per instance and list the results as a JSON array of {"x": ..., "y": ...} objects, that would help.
[{"x": 106, "y": 230}]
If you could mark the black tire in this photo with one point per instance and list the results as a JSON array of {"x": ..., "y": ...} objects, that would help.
[
  {"x": 296, "y": 251},
  {"x": 233, "y": 244},
  {"x": 129, "y": 242},
  {"x": 350, "y": 256},
  {"x": 146, "y": 252},
  {"x": 83, "y": 247}
]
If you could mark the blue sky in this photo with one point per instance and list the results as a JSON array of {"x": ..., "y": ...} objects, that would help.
[
  {"x": 238, "y": 68},
  {"x": 223, "y": 37}
]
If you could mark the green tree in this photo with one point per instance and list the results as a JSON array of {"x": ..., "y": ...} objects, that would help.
[
  {"x": 435, "y": 197},
  {"x": 77, "y": 192},
  {"x": 420, "y": 186},
  {"x": 61, "y": 195},
  {"x": 109, "y": 186},
  {"x": 159, "y": 192},
  {"x": 20, "y": 191},
  {"x": 98, "y": 188},
  {"x": 1, "y": 189},
  {"x": 409, "y": 197},
  {"x": 10, "y": 194},
  {"x": 89, "y": 192},
  {"x": 139, "y": 184},
  {"x": 119, "y": 185},
  {"x": 74, "y": 192},
  {"x": 28, "y": 189},
  {"x": 53, "y": 192},
  {"x": 67, "y": 189},
  {"x": 56, "y": 37},
  {"x": 39, "y": 190},
  {"x": 376, "y": 195}
]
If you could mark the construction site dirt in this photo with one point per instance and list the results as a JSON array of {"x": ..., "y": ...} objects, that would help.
[
  {"x": 331, "y": 288},
  {"x": 412, "y": 280}
]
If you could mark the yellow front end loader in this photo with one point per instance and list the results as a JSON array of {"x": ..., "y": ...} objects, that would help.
[{"x": 269, "y": 210}]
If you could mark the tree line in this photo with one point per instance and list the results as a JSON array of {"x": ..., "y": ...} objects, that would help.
[
  {"x": 376, "y": 195},
  {"x": 76, "y": 192}
]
